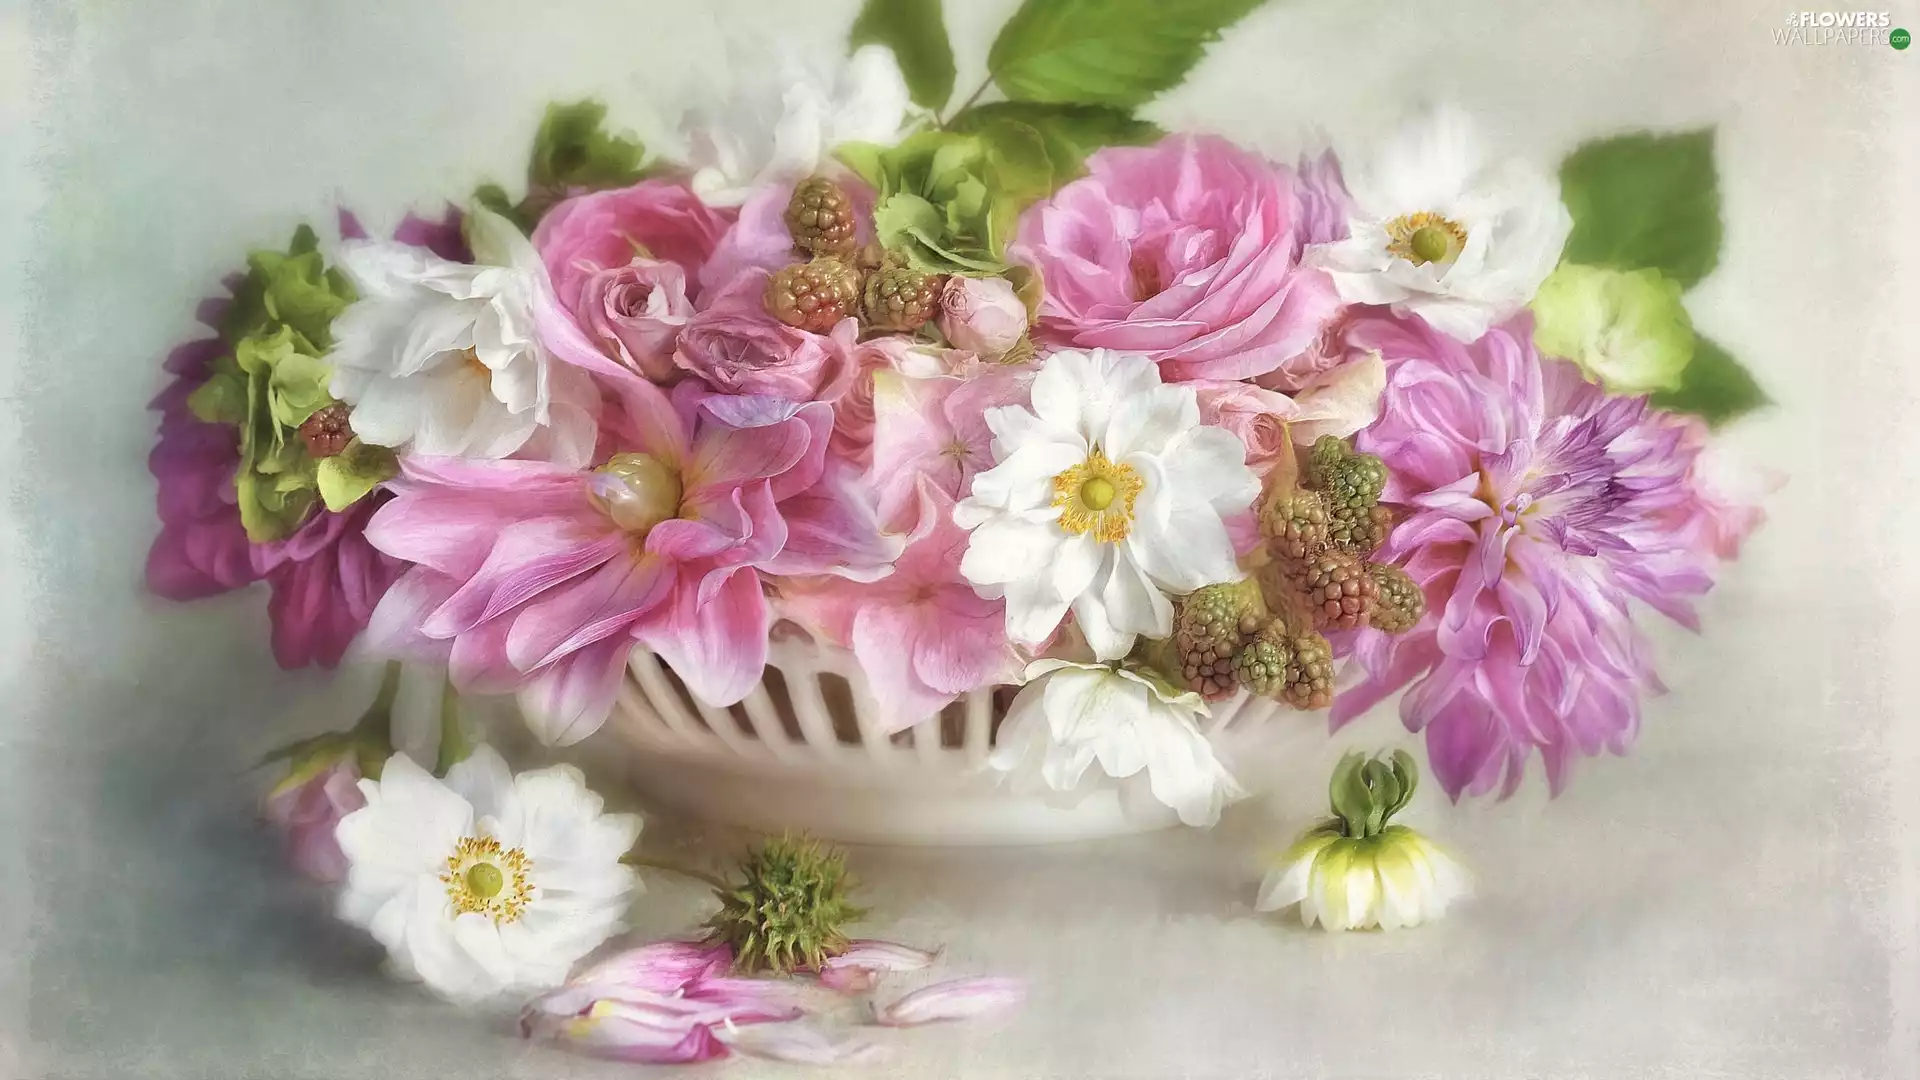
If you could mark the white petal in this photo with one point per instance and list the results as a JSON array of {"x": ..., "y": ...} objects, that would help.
[{"x": 483, "y": 780}]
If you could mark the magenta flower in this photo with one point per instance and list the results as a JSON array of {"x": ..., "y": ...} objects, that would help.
[
  {"x": 739, "y": 347},
  {"x": 1187, "y": 251},
  {"x": 921, "y": 634},
  {"x": 325, "y": 579},
  {"x": 538, "y": 579},
  {"x": 1534, "y": 510}
]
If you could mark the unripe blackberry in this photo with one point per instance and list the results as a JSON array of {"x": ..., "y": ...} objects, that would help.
[
  {"x": 1339, "y": 591},
  {"x": 1349, "y": 480},
  {"x": 814, "y": 295},
  {"x": 1401, "y": 602},
  {"x": 1309, "y": 681},
  {"x": 1261, "y": 664},
  {"x": 1360, "y": 533},
  {"x": 1294, "y": 521},
  {"x": 327, "y": 431},
  {"x": 1209, "y": 626},
  {"x": 899, "y": 298},
  {"x": 820, "y": 218}
]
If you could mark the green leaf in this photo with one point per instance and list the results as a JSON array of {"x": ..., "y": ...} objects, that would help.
[
  {"x": 1105, "y": 52},
  {"x": 349, "y": 476},
  {"x": 1645, "y": 201},
  {"x": 916, "y": 31},
  {"x": 1714, "y": 386},
  {"x": 1070, "y": 132},
  {"x": 494, "y": 198},
  {"x": 573, "y": 149}
]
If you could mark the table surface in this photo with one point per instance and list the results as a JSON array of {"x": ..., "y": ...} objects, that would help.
[{"x": 1738, "y": 898}]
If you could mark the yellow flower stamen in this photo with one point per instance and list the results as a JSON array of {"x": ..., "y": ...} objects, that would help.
[
  {"x": 1097, "y": 495},
  {"x": 483, "y": 877},
  {"x": 1425, "y": 238}
]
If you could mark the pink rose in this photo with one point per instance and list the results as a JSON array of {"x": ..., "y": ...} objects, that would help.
[
  {"x": 738, "y": 347},
  {"x": 1187, "y": 251},
  {"x": 1328, "y": 350},
  {"x": 635, "y": 312},
  {"x": 1257, "y": 417},
  {"x": 982, "y": 315},
  {"x": 606, "y": 230},
  {"x": 853, "y": 413},
  {"x": 308, "y": 807}
]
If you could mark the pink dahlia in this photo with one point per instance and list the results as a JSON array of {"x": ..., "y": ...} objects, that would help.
[
  {"x": 538, "y": 579},
  {"x": 1187, "y": 251},
  {"x": 325, "y": 578},
  {"x": 1534, "y": 510}
]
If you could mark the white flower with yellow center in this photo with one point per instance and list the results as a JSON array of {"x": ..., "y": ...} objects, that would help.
[
  {"x": 1356, "y": 871},
  {"x": 1107, "y": 496},
  {"x": 485, "y": 883},
  {"x": 1439, "y": 231},
  {"x": 1144, "y": 735}
]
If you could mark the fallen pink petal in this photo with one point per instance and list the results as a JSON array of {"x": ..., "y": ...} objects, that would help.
[
  {"x": 955, "y": 999},
  {"x": 859, "y": 968},
  {"x": 799, "y": 1043}
]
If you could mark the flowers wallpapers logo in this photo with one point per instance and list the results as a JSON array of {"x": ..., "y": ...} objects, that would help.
[{"x": 960, "y": 430}]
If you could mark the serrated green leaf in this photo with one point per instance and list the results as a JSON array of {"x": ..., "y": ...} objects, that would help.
[
  {"x": 574, "y": 149},
  {"x": 916, "y": 31},
  {"x": 1714, "y": 386},
  {"x": 1070, "y": 132},
  {"x": 352, "y": 474},
  {"x": 1105, "y": 52},
  {"x": 1645, "y": 200}
]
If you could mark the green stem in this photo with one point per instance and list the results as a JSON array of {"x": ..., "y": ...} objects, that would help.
[
  {"x": 377, "y": 721},
  {"x": 967, "y": 104},
  {"x": 454, "y": 746},
  {"x": 649, "y": 862}
]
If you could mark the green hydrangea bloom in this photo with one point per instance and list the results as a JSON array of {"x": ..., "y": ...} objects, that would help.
[
  {"x": 949, "y": 201},
  {"x": 273, "y": 378},
  {"x": 1627, "y": 329}
]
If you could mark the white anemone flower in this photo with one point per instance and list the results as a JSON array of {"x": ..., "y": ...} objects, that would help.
[
  {"x": 1356, "y": 871},
  {"x": 1143, "y": 734},
  {"x": 485, "y": 883},
  {"x": 1108, "y": 495},
  {"x": 1439, "y": 231},
  {"x": 440, "y": 358},
  {"x": 783, "y": 124}
]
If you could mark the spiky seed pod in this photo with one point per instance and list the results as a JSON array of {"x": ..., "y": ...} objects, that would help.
[
  {"x": 1209, "y": 626},
  {"x": 788, "y": 912},
  {"x": 814, "y": 295},
  {"x": 1309, "y": 679},
  {"x": 899, "y": 298},
  {"x": 1339, "y": 591},
  {"x": 820, "y": 218},
  {"x": 1294, "y": 521},
  {"x": 327, "y": 431},
  {"x": 1401, "y": 602},
  {"x": 1262, "y": 663}
]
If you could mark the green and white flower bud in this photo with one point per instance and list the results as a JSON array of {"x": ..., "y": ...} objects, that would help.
[{"x": 1357, "y": 871}]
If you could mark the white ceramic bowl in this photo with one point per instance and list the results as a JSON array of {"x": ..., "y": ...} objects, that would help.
[{"x": 804, "y": 751}]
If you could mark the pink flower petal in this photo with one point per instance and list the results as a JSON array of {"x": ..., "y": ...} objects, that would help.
[
  {"x": 858, "y": 968},
  {"x": 798, "y": 1044},
  {"x": 955, "y": 999}
]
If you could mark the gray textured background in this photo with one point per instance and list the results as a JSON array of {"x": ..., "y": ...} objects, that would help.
[{"x": 1738, "y": 899}]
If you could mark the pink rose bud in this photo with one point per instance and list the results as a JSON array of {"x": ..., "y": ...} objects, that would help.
[{"x": 982, "y": 315}]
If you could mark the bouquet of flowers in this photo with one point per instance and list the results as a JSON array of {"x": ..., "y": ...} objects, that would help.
[{"x": 1022, "y": 390}]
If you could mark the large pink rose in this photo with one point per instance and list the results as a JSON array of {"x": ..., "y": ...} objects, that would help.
[
  {"x": 621, "y": 261},
  {"x": 1187, "y": 251},
  {"x": 635, "y": 312},
  {"x": 738, "y": 347}
]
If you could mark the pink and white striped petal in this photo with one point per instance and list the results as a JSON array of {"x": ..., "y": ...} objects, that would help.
[
  {"x": 859, "y": 968},
  {"x": 955, "y": 999}
]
